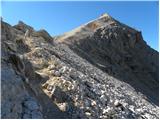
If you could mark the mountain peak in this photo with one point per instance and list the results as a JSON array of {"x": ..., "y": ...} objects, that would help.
[
  {"x": 89, "y": 28},
  {"x": 105, "y": 15}
]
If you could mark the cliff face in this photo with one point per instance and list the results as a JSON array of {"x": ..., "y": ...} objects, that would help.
[{"x": 102, "y": 69}]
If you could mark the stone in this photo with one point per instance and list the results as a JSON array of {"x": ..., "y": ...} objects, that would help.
[
  {"x": 87, "y": 102},
  {"x": 31, "y": 105},
  {"x": 103, "y": 100},
  {"x": 36, "y": 115},
  {"x": 117, "y": 103},
  {"x": 93, "y": 103},
  {"x": 87, "y": 113},
  {"x": 59, "y": 95},
  {"x": 11, "y": 46},
  {"x": 44, "y": 34},
  {"x": 26, "y": 116},
  {"x": 23, "y": 27},
  {"x": 50, "y": 87},
  {"x": 106, "y": 110},
  {"x": 63, "y": 69},
  {"x": 63, "y": 106},
  {"x": 57, "y": 73},
  {"x": 52, "y": 72},
  {"x": 45, "y": 85},
  {"x": 95, "y": 71},
  {"x": 51, "y": 67},
  {"x": 131, "y": 107},
  {"x": 44, "y": 76}
]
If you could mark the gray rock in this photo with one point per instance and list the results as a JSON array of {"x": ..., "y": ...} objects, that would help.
[
  {"x": 31, "y": 105},
  {"x": 57, "y": 73},
  {"x": 36, "y": 115},
  {"x": 26, "y": 116},
  {"x": 43, "y": 34},
  {"x": 98, "y": 72}
]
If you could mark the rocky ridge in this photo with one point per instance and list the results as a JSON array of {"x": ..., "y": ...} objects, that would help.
[{"x": 95, "y": 71}]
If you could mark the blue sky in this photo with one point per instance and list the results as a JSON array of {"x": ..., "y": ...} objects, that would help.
[{"x": 60, "y": 17}]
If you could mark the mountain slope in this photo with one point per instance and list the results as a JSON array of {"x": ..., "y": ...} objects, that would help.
[
  {"x": 119, "y": 51},
  {"x": 87, "y": 73}
]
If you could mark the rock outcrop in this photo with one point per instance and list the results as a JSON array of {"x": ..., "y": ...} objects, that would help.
[{"x": 103, "y": 69}]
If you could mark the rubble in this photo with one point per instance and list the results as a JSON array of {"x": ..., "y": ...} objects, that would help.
[{"x": 102, "y": 74}]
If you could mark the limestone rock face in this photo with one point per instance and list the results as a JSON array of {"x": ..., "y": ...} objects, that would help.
[
  {"x": 102, "y": 69},
  {"x": 44, "y": 34},
  {"x": 23, "y": 27},
  {"x": 14, "y": 86}
]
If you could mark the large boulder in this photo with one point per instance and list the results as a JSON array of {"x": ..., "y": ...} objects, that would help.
[
  {"x": 23, "y": 27},
  {"x": 44, "y": 34}
]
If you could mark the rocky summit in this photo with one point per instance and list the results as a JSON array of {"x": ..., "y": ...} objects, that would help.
[{"x": 102, "y": 69}]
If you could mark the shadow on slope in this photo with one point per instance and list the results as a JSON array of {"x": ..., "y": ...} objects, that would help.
[{"x": 132, "y": 71}]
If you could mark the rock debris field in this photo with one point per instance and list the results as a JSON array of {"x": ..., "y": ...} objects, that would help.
[{"x": 103, "y": 69}]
